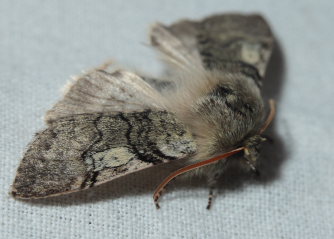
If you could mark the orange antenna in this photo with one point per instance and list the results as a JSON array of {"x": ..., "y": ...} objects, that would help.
[
  {"x": 270, "y": 116},
  {"x": 180, "y": 171}
]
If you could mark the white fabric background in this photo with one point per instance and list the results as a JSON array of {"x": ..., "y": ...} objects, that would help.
[{"x": 42, "y": 43}]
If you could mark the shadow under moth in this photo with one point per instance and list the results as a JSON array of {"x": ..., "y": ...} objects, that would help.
[{"x": 207, "y": 108}]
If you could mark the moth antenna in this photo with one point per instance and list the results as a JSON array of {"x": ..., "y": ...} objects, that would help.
[
  {"x": 270, "y": 116},
  {"x": 188, "y": 168}
]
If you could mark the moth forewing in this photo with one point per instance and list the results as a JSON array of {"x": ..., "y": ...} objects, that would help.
[{"x": 81, "y": 151}]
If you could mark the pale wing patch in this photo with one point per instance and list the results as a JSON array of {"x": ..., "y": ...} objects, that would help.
[
  {"x": 250, "y": 53},
  {"x": 177, "y": 147},
  {"x": 111, "y": 158},
  {"x": 131, "y": 167}
]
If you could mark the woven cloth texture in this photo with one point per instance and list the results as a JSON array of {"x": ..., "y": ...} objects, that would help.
[{"x": 43, "y": 43}]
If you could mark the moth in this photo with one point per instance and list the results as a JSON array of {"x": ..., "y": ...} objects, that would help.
[{"x": 112, "y": 123}]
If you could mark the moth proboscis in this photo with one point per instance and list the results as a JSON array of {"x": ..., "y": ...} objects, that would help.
[{"x": 111, "y": 123}]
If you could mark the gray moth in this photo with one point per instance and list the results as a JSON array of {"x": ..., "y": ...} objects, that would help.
[{"x": 112, "y": 123}]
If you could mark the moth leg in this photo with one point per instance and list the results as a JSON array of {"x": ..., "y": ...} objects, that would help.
[
  {"x": 253, "y": 168},
  {"x": 210, "y": 198},
  {"x": 212, "y": 182},
  {"x": 249, "y": 161}
]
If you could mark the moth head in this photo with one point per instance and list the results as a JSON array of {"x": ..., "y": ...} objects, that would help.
[
  {"x": 252, "y": 148},
  {"x": 252, "y": 145}
]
